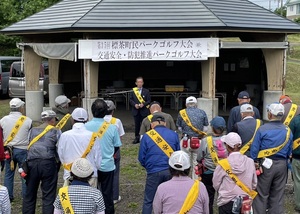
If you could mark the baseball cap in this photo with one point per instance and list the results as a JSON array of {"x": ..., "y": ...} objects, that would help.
[
  {"x": 48, "y": 114},
  {"x": 110, "y": 104},
  {"x": 191, "y": 99},
  {"x": 277, "y": 109},
  {"x": 16, "y": 103},
  {"x": 80, "y": 114},
  {"x": 61, "y": 100},
  {"x": 232, "y": 139},
  {"x": 246, "y": 108},
  {"x": 82, "y": 168},
  {"x": 157, "y": 117},
  {"x": 243, "y": 95},
  {"x": 285, "y": 99},
  {"x": 179, "y": 160},
  {"x": 218, "y": 122}
]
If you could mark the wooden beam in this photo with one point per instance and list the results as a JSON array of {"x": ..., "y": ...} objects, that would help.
[
  {"x": 32, "y": 65},
  {"x": 91, "y": 78},
  {"x": 208, "y": 68},
  {"x": 53, "y": 71}
]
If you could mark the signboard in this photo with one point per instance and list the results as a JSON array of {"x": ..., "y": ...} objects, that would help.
[{"x": 149, "y": 49}]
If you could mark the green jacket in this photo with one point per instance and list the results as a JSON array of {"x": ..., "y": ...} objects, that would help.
[
  {"x": 60, "y": 113},
  {"x": 295, "y": 128}
]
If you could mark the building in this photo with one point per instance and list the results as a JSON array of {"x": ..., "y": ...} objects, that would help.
[{"x": 292, "y": 9}]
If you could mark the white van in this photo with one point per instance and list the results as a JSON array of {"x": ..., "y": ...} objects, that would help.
[{"x": 5, "y": 62}]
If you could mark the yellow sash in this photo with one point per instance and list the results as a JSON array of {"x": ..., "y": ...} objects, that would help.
[
  {"x": 212, "y": 150},
  {"x": 63, "y": 121},
  {"x": 113, "y": 120},
  {"x": 190, "y": 198},
  {"x": 103, "y": 129},
  {"x": 272, "y": 151},
  {"x": 138, "y": 95},
  {"x": 34, "y": 140},
  {"x": 186, "y": 119},
  {"x": 226, "y": 166},
  {"x": 160, "y": 142},
  {"x": 65, "y": 200},
  {"x": 296, "y": 143},
  {"x": 291, "y": 114},
  {"x": 150, "y": 117},
  {"x": 245, "y": 148},
  {"x": 86, "y": 152},
  {"x": 15, "y": 130}
]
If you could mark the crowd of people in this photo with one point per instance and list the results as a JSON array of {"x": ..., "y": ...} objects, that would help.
[{"x": 244, "y": 161}]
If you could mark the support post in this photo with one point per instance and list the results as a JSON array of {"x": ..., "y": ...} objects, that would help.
[{"x": 55, "y": 89}]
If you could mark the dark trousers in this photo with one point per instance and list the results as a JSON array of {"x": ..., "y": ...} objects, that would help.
[
  {"x": 207, "y": 181},
  {"x": 137, "y": 122},
  {"x": 116, "y": 183},
  {"x": 226, "y": 208},
  {"x": 43, "y": 171},
  {"x": 105, "y": 183}
]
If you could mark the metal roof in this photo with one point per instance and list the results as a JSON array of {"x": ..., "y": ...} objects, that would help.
[{"x": 111, "y": 15}]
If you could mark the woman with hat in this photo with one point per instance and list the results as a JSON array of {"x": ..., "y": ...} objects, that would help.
[{"x": 79, "y": 197}]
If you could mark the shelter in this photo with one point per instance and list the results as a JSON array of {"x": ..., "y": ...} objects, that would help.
[{"x": 255, "y": 61}]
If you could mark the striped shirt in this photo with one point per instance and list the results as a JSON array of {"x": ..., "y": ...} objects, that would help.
[
  {"x": 5, "y": 207},
  {"x": 84, "y": 199}
]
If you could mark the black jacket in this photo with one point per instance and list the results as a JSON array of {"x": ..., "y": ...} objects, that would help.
[{"x": 134, "y": 100}]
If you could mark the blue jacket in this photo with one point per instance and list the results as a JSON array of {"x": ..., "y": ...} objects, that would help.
[
  {"x": 271, "y": 135},
  {"x": 151, "y": 157}
]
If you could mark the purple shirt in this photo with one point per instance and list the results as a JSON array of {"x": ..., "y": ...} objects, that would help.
[
  {"x": 244, "y": 168},
  {"x": 171, "y": 194}
]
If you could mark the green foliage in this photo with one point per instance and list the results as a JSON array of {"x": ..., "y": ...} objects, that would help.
[
  {"x": 12, "y": 11},
  {"x": 281, "y": 11},
  {"x": 297, "y": 20}
]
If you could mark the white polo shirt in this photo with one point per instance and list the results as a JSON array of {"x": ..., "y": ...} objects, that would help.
[
  {"x": 73, "y": 143},
  {"x": 119, "y": 124}
]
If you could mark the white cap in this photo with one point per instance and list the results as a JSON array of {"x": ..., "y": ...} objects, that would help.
[
  {"x": 180, "y": 161},
  {"x": 191, "y": 99},
  {"x": 277, "y": 109},
  {"x": 245, "y": 108},
  {"x": 16, "y": 103},
  {"x": 48, "y": 114},
  {"x": 61, "y": 100},
  {"x": 80, "y": 114},
  {"x": 232, "y": 139},
  {"x": 110, "y": 104},
  {"x": 82, "y": 168}
]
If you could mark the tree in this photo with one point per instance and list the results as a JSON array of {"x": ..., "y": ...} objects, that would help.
[
  {"x": 280, "y": 11},
  {"x": 12, "y": 11}
]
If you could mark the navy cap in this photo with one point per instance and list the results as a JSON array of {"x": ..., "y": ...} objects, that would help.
[
  {"x": 157, "y": 117},
  {"x": 218, "y": 122},
  {"x": 243, "y": 95}
]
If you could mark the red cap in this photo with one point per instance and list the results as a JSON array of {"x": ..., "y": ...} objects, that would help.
[{"x": 285, "y": 99}]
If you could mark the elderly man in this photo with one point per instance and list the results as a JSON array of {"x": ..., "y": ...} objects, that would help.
[
  {"x": 235, "y": 176},
  {"x": 290, "y": 109},
  {"x": 235, "y": 112},
  {"x": 15, "y": 128},
  {"x": 139, "y": 100},
  {"x": 156, "y": 147},
  {"x": 62, "y": 111},
  {"x": 192, "y": 122},
  {"x": 117, "y": 156},
  {"x": 247, "y": 127},
  {"x": 41, "y": 164},
  {"x": 272, "y": 147},
  {"x": 79, "y": 143},
  {"x": 155, "y": 108},
  {"x": 172, "y": 196},
  {"x": 110, "y": 143}
]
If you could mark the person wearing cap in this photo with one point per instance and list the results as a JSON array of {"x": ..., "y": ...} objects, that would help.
[
  {"x": 15, "y": 142},
  {"x": 82, "y": 198},
  {"x": 205, "y": 158},
  {"x": 41, "y": 164},
  {"x": 295, "y": 129},
  {"x": 139, "y": 100},
  {"x": 77, "y": 142},
  {"x": 5, "y": 206},
  {"x": 290, "y": 109},
  {"x": 155, "y": 108},
  {"x": 272, "y": 147},
  {"x": 117, "y": 156},
  {"x": 110, "y": 142},
  {"x": 195, "y": 129},
  {"x": 235, "y": 112},
  {"x": 241, "y": 167},
  {"x": 154, "y": 157},
  {"x": 62, "y": 111},
  {"x": 247, "y": 127},
  {"x": 171, "y": 195}
]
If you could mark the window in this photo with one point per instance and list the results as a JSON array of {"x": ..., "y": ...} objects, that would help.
[
  {"x": 16, "y": 70},
  {"x": 292, "y": 8},
  {"x": 5, "y": 64}
]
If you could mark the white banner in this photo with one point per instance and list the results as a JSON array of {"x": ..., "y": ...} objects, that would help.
[{"x": 151, "y": 49}]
